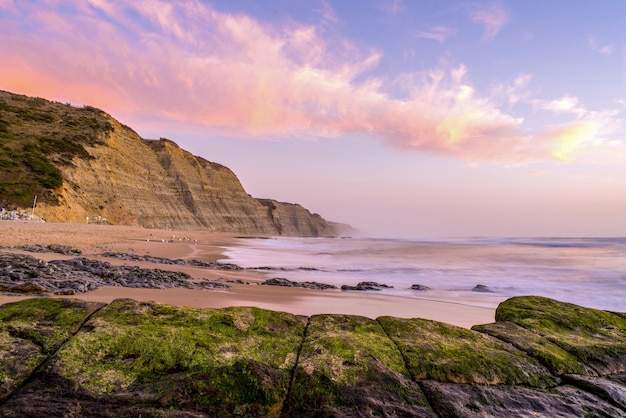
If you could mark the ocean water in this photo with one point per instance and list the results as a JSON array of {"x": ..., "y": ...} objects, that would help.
[{"x": 587, "y": 271}]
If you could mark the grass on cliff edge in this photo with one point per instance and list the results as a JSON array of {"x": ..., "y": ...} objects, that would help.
[
  {"x": 38, "y": 136},
  {"x": 235, "y": 358}
]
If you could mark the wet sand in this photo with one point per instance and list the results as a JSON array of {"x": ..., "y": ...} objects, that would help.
[{"x": 208, "y": 246}]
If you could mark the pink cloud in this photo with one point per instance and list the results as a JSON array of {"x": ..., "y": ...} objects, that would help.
[
  {"x": 154, "y": 64},
  {"x": 437, "y": 33},
  {"x": 492, "y": 17},
  {"x": 602, "y": 49}
]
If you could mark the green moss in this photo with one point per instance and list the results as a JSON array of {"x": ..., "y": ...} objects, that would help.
[
  {"x": 346, "y": 362},
  {"x": 557, "y": 360},
  {"x": 241, "y": 357},
  {"x": 596, "y": 338},
  {"x": 30, "y": 330},
  {"x": 45, "y": 322},
  {"x": 438, "y": 351}
]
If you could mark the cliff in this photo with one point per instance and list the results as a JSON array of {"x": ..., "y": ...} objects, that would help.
[
  {"x": 541, "y": 358},
  {"x": 81, "y": 163}
]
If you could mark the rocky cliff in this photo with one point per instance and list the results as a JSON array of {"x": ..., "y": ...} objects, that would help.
[
  {"x": 81, "y": 163},
  {"x": 542, "y": 358}
]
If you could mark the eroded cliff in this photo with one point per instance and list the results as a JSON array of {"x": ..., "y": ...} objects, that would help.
[{"x": 109, "y": 171}]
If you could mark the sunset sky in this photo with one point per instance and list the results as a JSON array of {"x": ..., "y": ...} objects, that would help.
[{"x": 421, "y": 118}]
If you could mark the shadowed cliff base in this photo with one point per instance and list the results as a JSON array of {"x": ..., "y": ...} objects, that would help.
[{"x": 65, "y": 357}]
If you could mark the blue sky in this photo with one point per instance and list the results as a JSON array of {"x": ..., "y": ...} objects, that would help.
[{"x": 412, "y": 118}]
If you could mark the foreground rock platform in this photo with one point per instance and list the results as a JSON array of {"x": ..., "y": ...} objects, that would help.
[{"x": 541, "y": 358}]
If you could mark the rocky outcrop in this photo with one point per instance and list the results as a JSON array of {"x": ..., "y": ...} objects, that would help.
[
  {"x": 26, "y": 274},
  {"x": 541, "y": 358},
  {"x": 109, "y": 173}
]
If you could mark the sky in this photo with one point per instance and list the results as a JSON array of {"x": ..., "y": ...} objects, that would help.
[{"x": 421, "y": 118}]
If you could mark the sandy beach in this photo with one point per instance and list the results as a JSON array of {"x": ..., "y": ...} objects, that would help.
[{"x": 93, "y": 240}]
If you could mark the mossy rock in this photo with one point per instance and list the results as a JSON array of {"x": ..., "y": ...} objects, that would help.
[
  {"x": 596, "y": 338},
  {"x": 234, "y": 361},
  {"x": 557, "y": 360},
  {"x": 349, "y": 367},
  {"x": 32, "y": 329},
  {"x": 447, "y": 353}
]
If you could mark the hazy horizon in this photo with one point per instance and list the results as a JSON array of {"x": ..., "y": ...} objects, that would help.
[{"x": 403, "y": 119}]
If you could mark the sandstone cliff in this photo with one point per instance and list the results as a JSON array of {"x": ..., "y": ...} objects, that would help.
[{"x": 87, "y": 164}]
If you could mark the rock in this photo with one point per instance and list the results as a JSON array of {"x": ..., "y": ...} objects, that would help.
[
  {"x": 420, "y": 287},
  {"x": 31, "y": 330},
  {"x": 145, "y": 358},
  {"x": 348, "y": 367},
  {"x": 450, "y": 400},
  {"x": 482, "y": 288},
  {"x": 437, "y": 351},
  {"x": 555, "y": 358},
  {"x": 160, "y": 260},
  {"x": 612, "y": 391},
  {"x": 62, "y": 357},
  {"x": 26, "y": 274},
  {"x": 367, "y": 286},
  {"x": 596, "y": 338},
  {"x": 52, "y": 248},
  {"x": 279, "y": 281}
]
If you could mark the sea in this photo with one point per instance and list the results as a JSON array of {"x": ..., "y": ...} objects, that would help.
[{"x": 586, "y": 271}]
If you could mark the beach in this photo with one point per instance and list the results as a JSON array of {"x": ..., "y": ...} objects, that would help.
[{"x": 94, "y": 240}]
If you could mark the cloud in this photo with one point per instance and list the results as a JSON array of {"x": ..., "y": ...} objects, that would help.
[
  {"x": 602, "y": 49},
  {"x": 185, "y": 66},
  {"x": 492, "y": 17},
  {"x": 437, "y": 33},
  {"x": 392, "y": 7},
  {"x": 327, "y": 12}
]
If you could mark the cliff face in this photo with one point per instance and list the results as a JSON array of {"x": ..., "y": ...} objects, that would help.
[{"x": 155, "y": 184}]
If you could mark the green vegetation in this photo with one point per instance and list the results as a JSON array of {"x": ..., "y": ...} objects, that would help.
[
  {"x": 208, "y": 360},
  {"x": 342, "y": 353},
  {"x": 596, "y": 338},
  {"x": 36, "y": 138},
  {"x": 434, "y": 350},
  {"x": 30, "y": 330},
  {"x": 556, "y": 359},
  {"x": 134, "y": 358}
]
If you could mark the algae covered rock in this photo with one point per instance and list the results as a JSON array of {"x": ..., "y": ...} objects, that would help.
[
  {"x": 31, "y": 330},
  {"x": 596, "y": 338},
  {"x": 447, "y": 353},
  {"x": 349, "y": 367},
  {"x": 555, "y": 358},
  {"x": 139, "y": 357},
  {"x": 62, "y": 357}
]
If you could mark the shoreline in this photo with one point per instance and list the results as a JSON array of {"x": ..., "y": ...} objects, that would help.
[{"x": 93, "y": 240}]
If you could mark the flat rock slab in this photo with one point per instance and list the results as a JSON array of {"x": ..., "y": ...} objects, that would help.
[
  {"x": 447, "y": 353},
  {"x": 612, "y": 390},
  {"x": 137, "y": 358},
  {"x": 63, "y": 357},
  {"x": 31, "y": 330},
  {"x": 596, "y": 338},
  {"x": 450, "y": 400},
  {"x": 555, "y": 358},
  {"x": 349, "y": 367}
]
